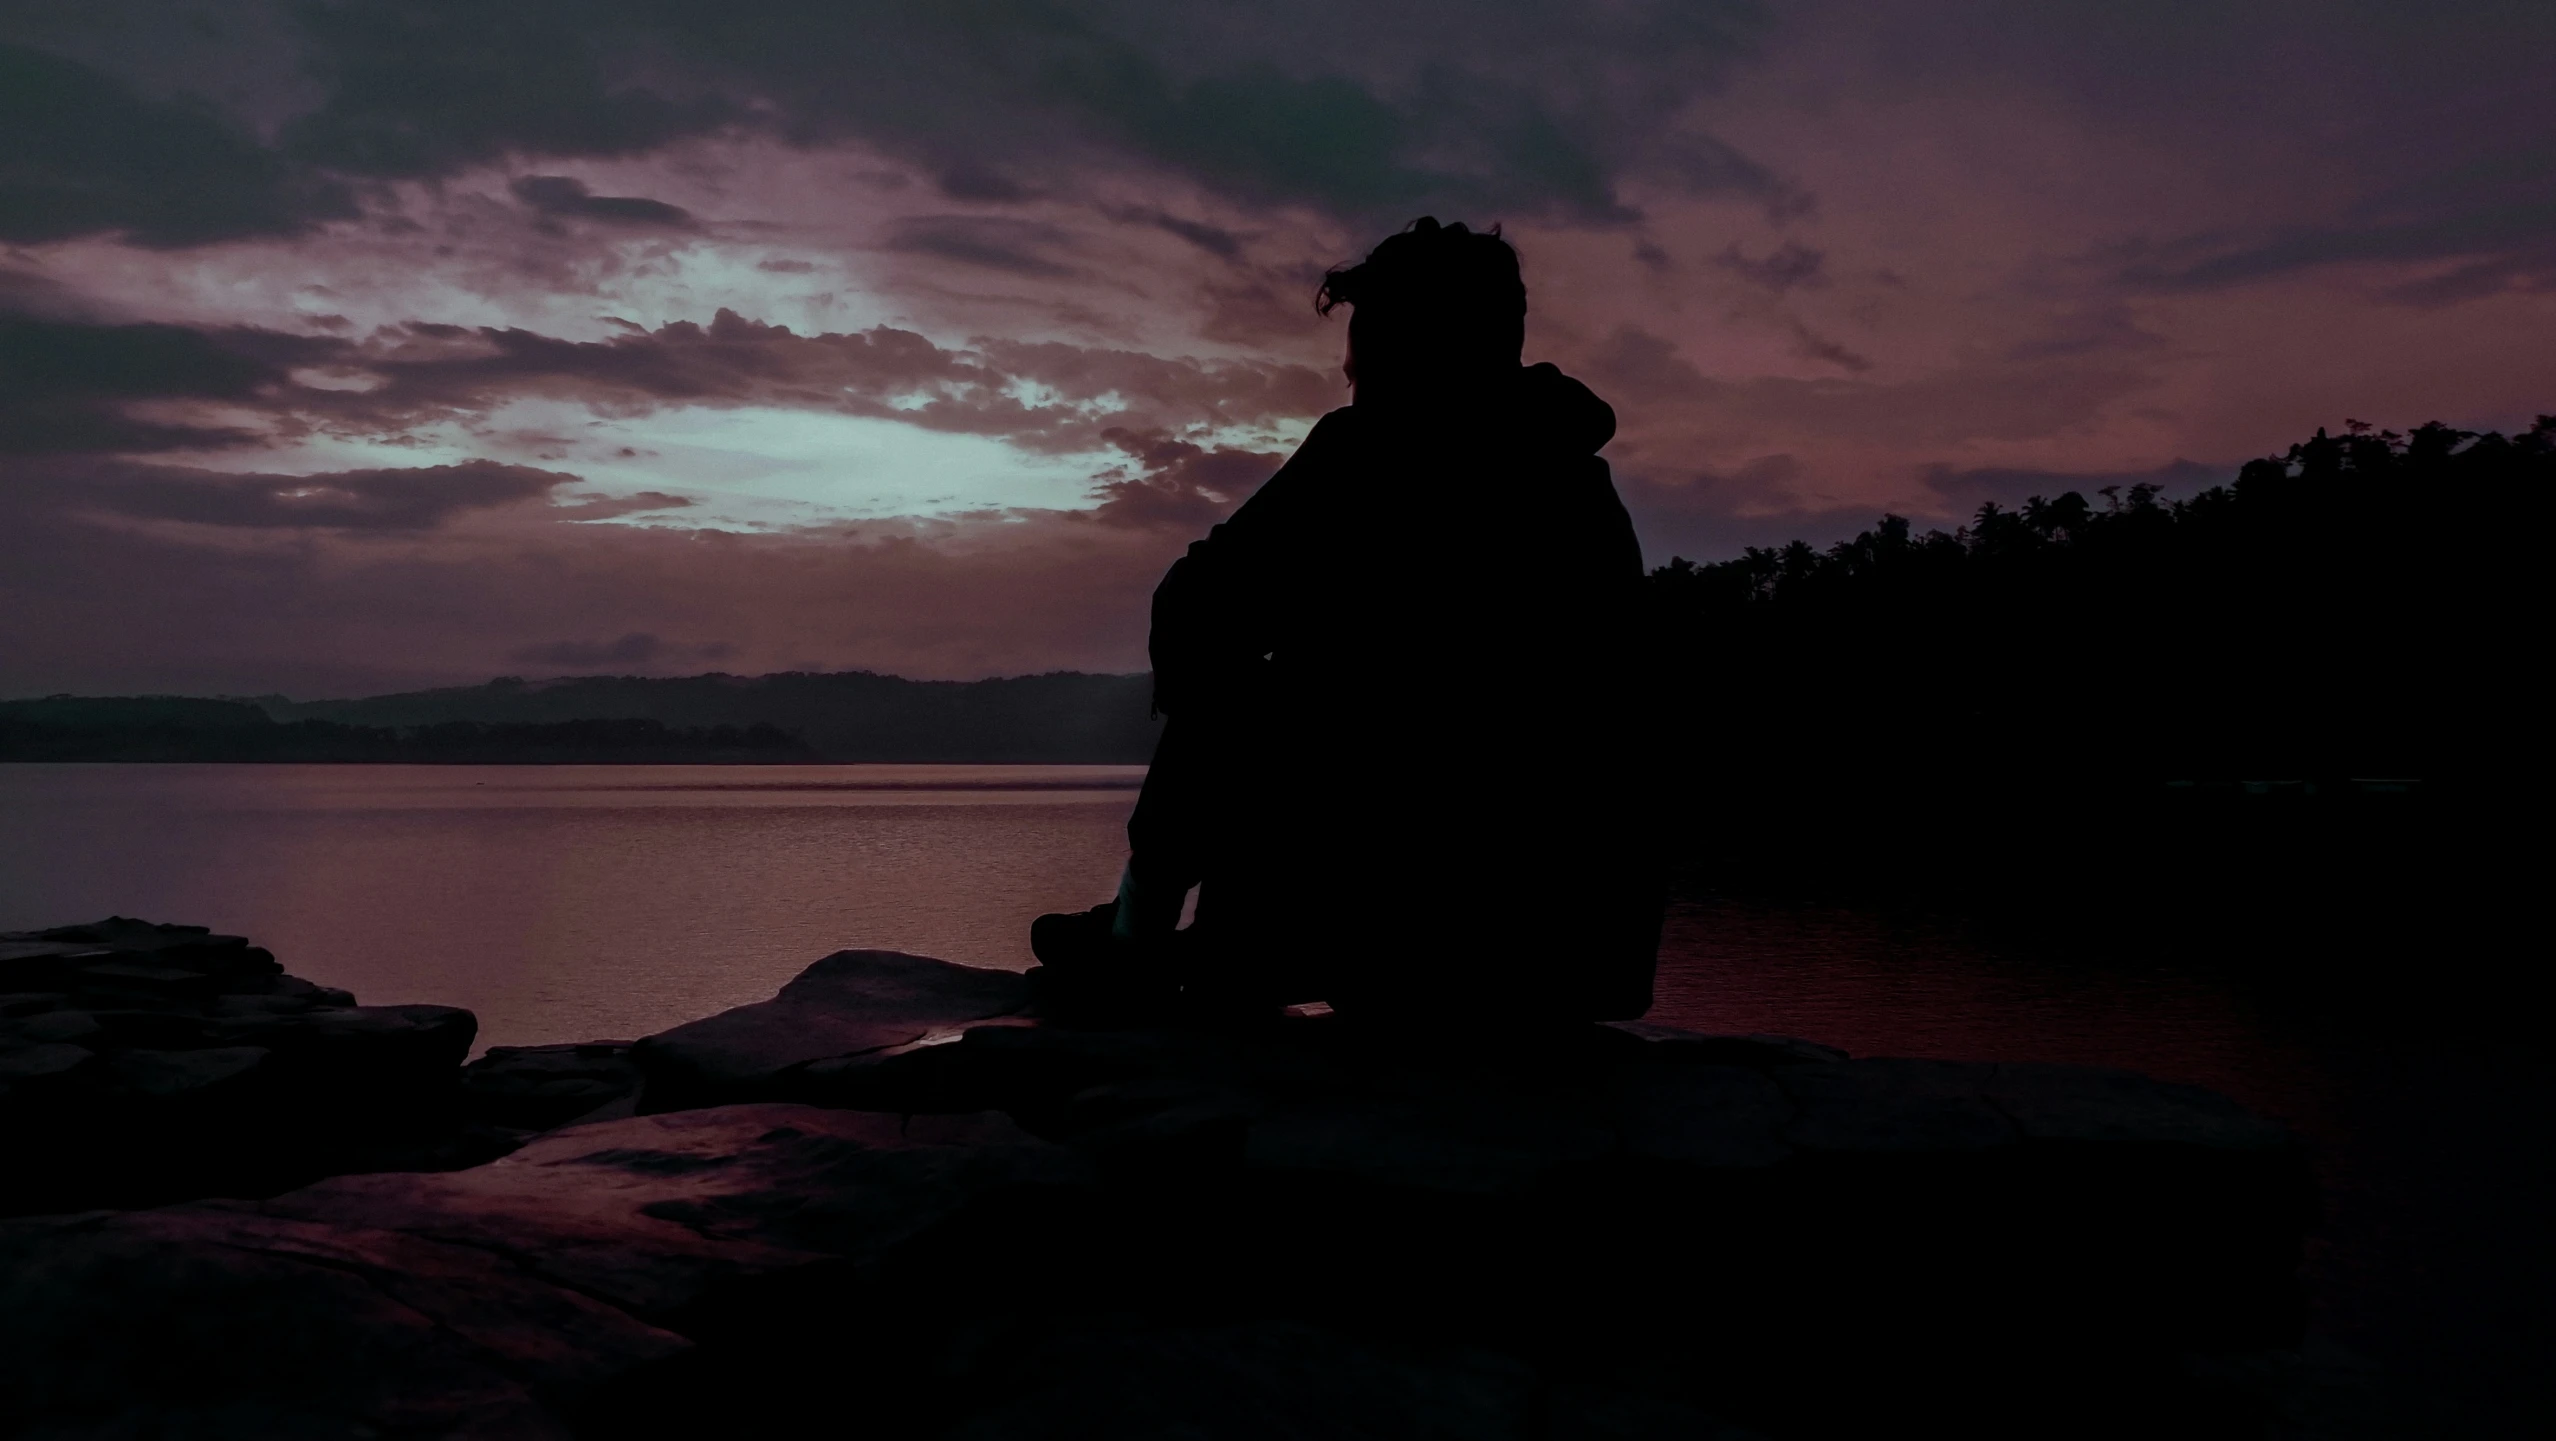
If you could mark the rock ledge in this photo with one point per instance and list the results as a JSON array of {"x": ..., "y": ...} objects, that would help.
[{"x": 890, "y": 1198}]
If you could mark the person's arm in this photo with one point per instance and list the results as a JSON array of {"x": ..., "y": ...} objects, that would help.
[{"x": 1211, "y": 618}]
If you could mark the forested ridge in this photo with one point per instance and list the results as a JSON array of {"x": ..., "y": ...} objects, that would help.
[{"x": 2352, "y": 629}]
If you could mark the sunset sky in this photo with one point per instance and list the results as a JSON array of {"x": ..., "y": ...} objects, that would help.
[{"x": 357, "y": 345}]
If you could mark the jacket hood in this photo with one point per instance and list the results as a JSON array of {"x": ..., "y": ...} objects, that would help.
[
  {"x": 1535, "y": 407},
  {"x": 1563, "y": 411}
]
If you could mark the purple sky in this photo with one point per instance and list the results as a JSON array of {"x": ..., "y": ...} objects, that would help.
[{"x": 359, "y": 345}]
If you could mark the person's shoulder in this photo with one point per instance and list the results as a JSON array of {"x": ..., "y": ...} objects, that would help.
[
  {"x": 1336, "y": 428},
  {"x": 1337, "y": 434},
  {"x": 1563, "y": 413}
]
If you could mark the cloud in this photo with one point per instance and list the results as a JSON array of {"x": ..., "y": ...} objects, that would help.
[
  {"x": 1821, "y": 348},
  {"x": 613, "y": 507},
  {"x": 1984, "y": 397},
  {"x": 1485, "y": 107},
  {"x": 1044, "y": 396},
  {"x": 421, "y": 91},
  {"x": 2492, "y": 248},
  {"x": 406, "y": 499},
  {"x": 1215, "y": 240},
  {"x": 69, "y": 386},
  {"x": 1789, "y": 266},
  {"x": 86, "y": 154},
  {"x": 66, "y": 385},
  {"x": 1177, "y": 486},
  {"x": 565, "y": 196},
  {"x": 2048, "y": 245},
  {"x": 993, "y": 242},
  {"x": 102, "y": 604},
  {"x": 638, "y": 648}
]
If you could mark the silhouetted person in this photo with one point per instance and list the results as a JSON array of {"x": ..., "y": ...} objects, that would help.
[{"x": 1405, "y": 753}]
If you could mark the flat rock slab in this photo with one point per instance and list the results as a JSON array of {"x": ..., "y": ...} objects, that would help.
[
  {"x": 1652, "y": 1093},
  {"x": 650, "y": 1213},
  {"x": 231, "y": 1326},
  {"x": 852, "y": 1003},
  {"x": 2005, "y": 1199},
  {"x": 488, "y": 1302}
]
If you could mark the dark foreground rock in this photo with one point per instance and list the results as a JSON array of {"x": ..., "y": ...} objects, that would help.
[
  {"x": 938, "y": 1217},
  {"x": 142, "y": 1063},
  {"x": 541, "y": 1088},
  {"x": 496, "y": 1301},
  {"x": 851, "y": 1004}
]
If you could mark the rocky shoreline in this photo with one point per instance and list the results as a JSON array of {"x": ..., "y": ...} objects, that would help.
[{"x": 893, "y": 1200}]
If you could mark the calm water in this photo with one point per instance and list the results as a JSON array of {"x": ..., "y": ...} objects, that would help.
[
  {"x": 583, "y": 902},
  {"x": 567, "y": 902}
]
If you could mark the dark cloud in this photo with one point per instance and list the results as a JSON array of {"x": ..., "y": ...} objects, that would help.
[
  {"x": 995, "y": 242},
  {"x": 1821, "y": 348},
  {"x": 565, "y": 196},
  {"x": 74, "y": 387},
  {"x": 415, "y": 499},
  {"x": 1368, "y": 113},
  {"x": 1365, "y": 112},
  {"x": 1708, "y": 166},
  {"x": 2488, "y": 249},
  {"x": 973, "y": 180},
  {"x": 1789, "y": 266},
  {"x": 83, "y": 153},
  {"x": 42, "y": 360},
  {"x": 424, "y": 90},
  {"x": 1215, "y": 240},
  {"x": 1353, "y": 108},
  {"x": 1175, "y": 485},
  {"x": 65, "y": 385},
  {"x": 25, "y": 293}
]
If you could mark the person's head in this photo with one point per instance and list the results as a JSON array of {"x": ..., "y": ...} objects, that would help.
[{"x": 1435, "y": 307}]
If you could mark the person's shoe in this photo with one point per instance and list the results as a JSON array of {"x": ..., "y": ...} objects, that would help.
[
  {"x": 1086, "y": 974},
  {"x": 1073, "y": 940}
]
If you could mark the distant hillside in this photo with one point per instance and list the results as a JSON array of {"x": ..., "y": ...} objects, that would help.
[
  {"x": 180, "y": 728},
  {"x": 1061, "y": 718},
  {"x": 1064, "y": 717}
]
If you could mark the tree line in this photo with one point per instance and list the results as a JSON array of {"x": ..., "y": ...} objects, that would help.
[{"x": 2357, "y": 618}]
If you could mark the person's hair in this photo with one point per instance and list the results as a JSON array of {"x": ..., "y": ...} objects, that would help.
[{"x": 1434, "y": 300}]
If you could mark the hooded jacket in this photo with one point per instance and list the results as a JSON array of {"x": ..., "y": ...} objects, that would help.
[{"x": 1415, "y": 653}]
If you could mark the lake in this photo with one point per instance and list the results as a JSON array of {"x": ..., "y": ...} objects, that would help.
[{"x": 589, "y": 902}]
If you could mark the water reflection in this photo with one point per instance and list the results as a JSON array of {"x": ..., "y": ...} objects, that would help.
[
  {"x": 1895, "y": 985},
  {"x": 567, "y": 902}
]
